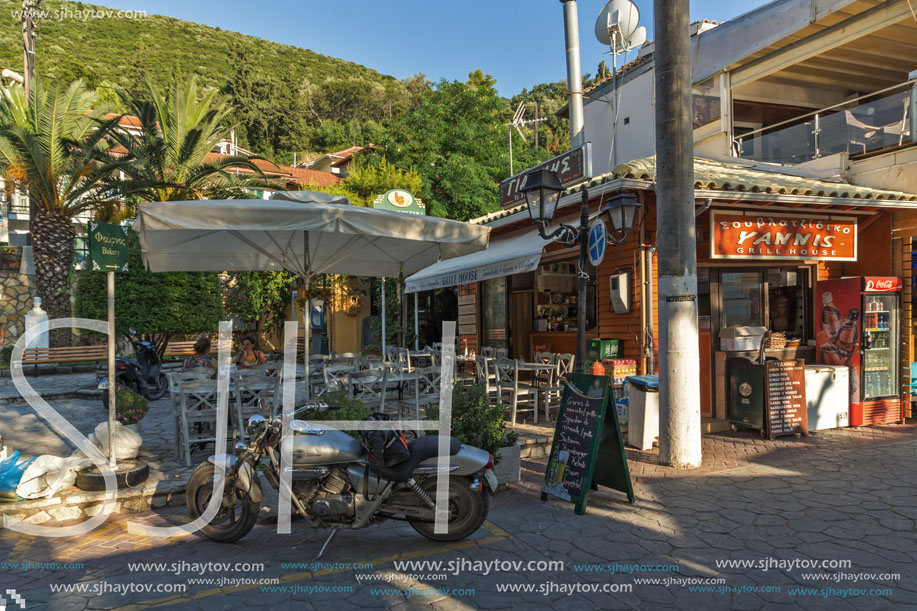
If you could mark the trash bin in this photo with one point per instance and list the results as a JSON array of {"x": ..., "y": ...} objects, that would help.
[
  {"x": 643, "y": 408},
  {"x": 746, "y": 393}
]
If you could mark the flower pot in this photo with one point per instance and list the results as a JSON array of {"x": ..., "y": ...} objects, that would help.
[{"x": 509, "y": 466}]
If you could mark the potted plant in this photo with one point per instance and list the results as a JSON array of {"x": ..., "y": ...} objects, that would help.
[
  {"x": 130, "y": 408},
  {"x": 478, "y": 423}
]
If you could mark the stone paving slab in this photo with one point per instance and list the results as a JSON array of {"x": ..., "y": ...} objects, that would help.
[{"x": 766, "y": 514}]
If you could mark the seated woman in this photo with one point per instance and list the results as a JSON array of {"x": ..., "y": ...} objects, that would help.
[
  {"x": 250, "y": 356},
  {"x": 200, "y": 357}
]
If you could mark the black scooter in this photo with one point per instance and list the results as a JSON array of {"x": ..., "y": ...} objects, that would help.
[{"x": 143, "y": 376}]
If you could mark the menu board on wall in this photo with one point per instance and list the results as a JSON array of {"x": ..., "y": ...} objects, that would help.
[
  {"x": 467, "y": 319},
  {"x": 785, "y": 402},
  {"x": 580, "y": 437}
]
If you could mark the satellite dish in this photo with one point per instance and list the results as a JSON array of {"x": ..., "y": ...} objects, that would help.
[
  {"x": 636, "y": 39},
  {"x": 618, "y": 18}
]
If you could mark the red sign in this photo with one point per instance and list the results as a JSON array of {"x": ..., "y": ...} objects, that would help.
[
  {"x": 881, "y": 285},
  {"x": 754, "y": 236}
]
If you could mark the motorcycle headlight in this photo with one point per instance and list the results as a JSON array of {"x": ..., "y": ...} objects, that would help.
[{"x": 239, "y": 448}]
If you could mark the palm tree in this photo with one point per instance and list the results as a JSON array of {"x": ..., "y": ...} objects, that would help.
[
  {"x": 50, "y": 148},
  {"x": 168, "y": 158}
]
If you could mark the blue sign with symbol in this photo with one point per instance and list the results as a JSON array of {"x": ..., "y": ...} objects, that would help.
[{"x": 596, "y": 245}]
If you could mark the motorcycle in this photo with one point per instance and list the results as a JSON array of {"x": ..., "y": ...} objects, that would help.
[
  {"x": 334, "y": 487},
  {"x": 143, "y": 376}
]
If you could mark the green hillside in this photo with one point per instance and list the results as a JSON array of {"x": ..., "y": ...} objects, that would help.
[{"x": 115, "y": 50}]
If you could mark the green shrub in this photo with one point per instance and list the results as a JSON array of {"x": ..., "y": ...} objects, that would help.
[
  {"x": 351, "y": 409},
  {"x": 5, "y": 353},
  {"x": 475, "y": 421}
]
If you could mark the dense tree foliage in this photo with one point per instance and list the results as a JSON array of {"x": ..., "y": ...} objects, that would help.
[
  {"x": 117, "y": 50},
  {"x": 51, "y": 143},
  {"x": 287, "y": 101},
  {"x": 159, "y": 305}
]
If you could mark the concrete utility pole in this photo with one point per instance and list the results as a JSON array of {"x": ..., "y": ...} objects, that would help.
[
  {"x": 574, "y": 73},
  {"x": 679, "y": 383}
]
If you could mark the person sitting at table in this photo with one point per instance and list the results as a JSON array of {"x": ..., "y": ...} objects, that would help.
[
  {"x": 250, "y": 356},
  {"x": 200, "y": 358}
]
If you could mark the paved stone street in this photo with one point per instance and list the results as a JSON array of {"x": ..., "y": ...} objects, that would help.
[{"x": 846, "y": 498}]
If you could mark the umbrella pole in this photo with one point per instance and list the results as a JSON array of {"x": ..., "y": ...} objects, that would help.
[
  {"x": 383, "y": 318},
  {"x": 416, "y": 325},
  {"x": 308, "y": 312}
]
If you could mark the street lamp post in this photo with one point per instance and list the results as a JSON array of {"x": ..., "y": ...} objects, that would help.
[{"x": 542, "y": 194}]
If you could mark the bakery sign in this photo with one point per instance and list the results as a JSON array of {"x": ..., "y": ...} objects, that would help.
[{"x": 753, "y": 236}]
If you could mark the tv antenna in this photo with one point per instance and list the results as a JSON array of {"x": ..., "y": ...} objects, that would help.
[
  {"x": 519, "y": 121},
  {"x": 617, "y": 27}
]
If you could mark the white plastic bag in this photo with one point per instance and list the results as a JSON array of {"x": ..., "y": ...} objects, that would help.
[
  {"x": 126, "y": 442},
  {"x": 47, "y": 475}
]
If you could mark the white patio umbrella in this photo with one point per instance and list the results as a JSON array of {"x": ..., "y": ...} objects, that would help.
[{"x": 304, "y": 232}]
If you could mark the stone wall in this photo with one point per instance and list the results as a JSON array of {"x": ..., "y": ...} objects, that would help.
[{"x": 16, "y": 292}]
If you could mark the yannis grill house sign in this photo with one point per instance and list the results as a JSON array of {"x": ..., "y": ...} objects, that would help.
[{"x": 786, "y": 236}]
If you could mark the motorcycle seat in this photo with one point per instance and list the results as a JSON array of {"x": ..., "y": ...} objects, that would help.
[{"x": 421, "y": 449}]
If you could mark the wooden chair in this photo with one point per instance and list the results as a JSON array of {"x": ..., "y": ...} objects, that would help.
[
  {"x": 256, "y": 395},
  {"x": 484, "y": 375},
  {"x": 336, "y": 376},
  {"x": 501, "y": 353},
  {"x": 519, "y": 395},
  {"x": 369, "y": 387},
  {"x": 427, "y": 385},
  {"x": 197, "y": 415},
  {"x": 487, "y": 351},
  {"x": 195, "y": 373},
  {"x": 554, "y": 393}
]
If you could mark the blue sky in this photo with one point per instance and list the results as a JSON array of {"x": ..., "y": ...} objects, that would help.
[{"x": 520, "y": 42}]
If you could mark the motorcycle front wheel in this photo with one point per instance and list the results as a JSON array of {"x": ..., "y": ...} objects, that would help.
[
  {"x": 467, "y": 510},
  {"x": 162, "y": 385},
  {"x": 238, "y": 511}
]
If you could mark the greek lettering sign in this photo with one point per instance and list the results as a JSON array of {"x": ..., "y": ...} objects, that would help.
[
  {"x": 108, "y": 247},
  {"x": 753, "y": 236},
  {"x": 573, "y": 166},
  {"x": 400, "y": 200},
  {"x": 588, "y": 449}
]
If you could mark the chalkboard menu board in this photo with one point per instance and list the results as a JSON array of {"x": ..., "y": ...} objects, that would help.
[
  {"x": 586, "y": 431},
  {"x": 785, "y": 391}
]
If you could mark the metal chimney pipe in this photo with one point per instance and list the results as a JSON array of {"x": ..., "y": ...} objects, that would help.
[{"x": 574, "y": 73}]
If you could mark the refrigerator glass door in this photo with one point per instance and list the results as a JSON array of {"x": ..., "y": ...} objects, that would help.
[{"x": 880, "y": 348}]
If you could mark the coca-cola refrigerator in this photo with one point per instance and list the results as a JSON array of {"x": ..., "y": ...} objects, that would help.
[{"x": 858, "y": 325}]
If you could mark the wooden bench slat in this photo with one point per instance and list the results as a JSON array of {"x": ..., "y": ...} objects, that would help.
[{"x": 64, "y": 354}]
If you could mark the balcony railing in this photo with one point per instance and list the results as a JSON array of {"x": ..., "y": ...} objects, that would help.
[{"x": 879, "y": 120}]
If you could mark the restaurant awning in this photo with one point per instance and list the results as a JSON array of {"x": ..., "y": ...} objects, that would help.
[{"x": 503, "y": 257}]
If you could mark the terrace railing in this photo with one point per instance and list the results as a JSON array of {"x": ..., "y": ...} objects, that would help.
[{"x": 872, "y": 122}]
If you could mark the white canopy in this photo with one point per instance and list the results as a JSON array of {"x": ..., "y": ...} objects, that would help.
[
  {"x": 304, "y": 238},
  {"x": 504, "y": 257}
]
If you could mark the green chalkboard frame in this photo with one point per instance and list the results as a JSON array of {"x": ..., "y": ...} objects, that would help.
[{"x": 607, "y": 462}]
